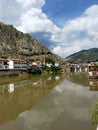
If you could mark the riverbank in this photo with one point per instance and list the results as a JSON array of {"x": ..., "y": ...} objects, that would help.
[
  {"x": 11, "y": 73},
  {"x": 7, "y": 78}
]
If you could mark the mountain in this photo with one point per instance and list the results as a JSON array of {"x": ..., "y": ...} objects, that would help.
[
  {"x": 16, "y": 44},
  {"x": 84, "y": 55}
]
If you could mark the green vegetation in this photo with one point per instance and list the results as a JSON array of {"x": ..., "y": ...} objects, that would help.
[
  {"x": 35, "y": 70},
  {"x": 52, "y": 69},
  {"x": 83, "y": 56},
  {"x": 47, "y": 69},
  {"x": 4, "y": 56},
  {"x": 94, "y": 113},
  {"x": 43, "y": 69},
  {"x": 55, "y": 68},
  {"x": 49, "y": 60}
]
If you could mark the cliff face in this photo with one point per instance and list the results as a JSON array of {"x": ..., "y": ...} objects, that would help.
[{"x": 14, "y": 43}]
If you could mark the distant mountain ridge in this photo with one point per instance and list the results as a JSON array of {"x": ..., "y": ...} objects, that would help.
[
  {"x": 84, "y": 55},
  {"x": 14, "y": 43}
]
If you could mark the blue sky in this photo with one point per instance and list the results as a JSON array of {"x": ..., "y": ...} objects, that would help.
[
  {"x": 64, "y": 26},
  {"x": 58, "y": 10}
]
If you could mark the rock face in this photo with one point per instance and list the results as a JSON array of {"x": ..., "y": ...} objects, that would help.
[{"x": 14, "y": 43}]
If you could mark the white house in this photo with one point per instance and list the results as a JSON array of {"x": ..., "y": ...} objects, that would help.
[
  {"x": 13, "y": 64},
  {"x": 57, "y": 64}
]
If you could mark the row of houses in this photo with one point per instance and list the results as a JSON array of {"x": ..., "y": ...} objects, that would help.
[
  {"x": 20, "y": 64},
  {"x": 13, "y": 64}
]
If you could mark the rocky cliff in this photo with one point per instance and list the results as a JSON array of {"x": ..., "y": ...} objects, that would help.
[{"x": 14, "y": 43}]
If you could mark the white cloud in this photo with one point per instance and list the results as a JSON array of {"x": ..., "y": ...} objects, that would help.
[
  {"x": 10, "y": 11},
  {"x": 33, "y": 19},
  {"x": 36, "y": 21},
  {"x": 92, "y": 11},
  {"x": 27, "y": 16},
  {"x": 80, "y": 33},
  {"x": 32, "y": 3},
  {"x": 69, "y": 49}
]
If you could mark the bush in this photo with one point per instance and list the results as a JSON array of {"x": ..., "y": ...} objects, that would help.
[
  {"x": 35, "y": 70},
  {"x": 55, "y": 68},
  {"x": 47, "y": 69},
  {"x": 49, "y": 60}
]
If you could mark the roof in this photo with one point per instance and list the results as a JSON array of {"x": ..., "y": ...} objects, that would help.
[
  {"x": 2, "y": 59},
  {"x": 16, "y": 59},
  {"x": 13, "y": 59}
]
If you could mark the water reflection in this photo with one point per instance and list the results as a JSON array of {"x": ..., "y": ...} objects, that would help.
[
  {"x": 57, "y": 78},
  {"x": 93, "y": 85},
  {"x": 23, "y": 95},
  {"x": 66, "y": 107},
  {"x": 79, "y": 78},
  {"x": 11, "y": 88}
]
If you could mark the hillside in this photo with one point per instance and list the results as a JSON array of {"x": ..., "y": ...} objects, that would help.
[
  {"x": 84, "y": 55},
  {"x": 14, "y": 43}
]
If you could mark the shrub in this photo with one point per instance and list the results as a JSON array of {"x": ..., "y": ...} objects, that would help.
[
  {"x": 55, "y": 68},
  {"x": 35, "y": 70}
]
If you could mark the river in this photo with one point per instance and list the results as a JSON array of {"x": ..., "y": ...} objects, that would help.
[{"x": 52, "y": 102}]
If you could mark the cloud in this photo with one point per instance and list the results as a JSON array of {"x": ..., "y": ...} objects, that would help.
[
  {"x": 36, "y": 21},
  {"x": 33, "y": 19},
  {"x": 10, "y": 11},
  {"x": 76, "y": 34},
  {"x": 80, "y": 33},
  {"x": 27, "y": 16},
  {"x": 32, "y": 3}
]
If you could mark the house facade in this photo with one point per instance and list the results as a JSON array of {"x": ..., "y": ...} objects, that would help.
[{"x": 13, "y": 64}]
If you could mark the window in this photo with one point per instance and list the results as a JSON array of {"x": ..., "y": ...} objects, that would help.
[{"x": 5, "y": 63}]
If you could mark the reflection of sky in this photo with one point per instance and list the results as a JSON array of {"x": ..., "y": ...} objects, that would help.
[{"x": 67, "y": 105}]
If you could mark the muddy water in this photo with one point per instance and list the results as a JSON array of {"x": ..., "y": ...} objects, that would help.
[{"x": 50, "y": 102}]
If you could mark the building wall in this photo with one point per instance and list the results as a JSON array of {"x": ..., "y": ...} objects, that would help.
[{"x": 13, "y": 65}]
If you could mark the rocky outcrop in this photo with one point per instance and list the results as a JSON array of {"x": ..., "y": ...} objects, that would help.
[{"x": 14, "y": 43}]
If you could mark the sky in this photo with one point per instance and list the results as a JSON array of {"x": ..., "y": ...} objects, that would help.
[{"x": 63, "y": 26}]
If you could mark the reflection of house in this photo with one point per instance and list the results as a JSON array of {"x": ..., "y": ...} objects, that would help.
[
  {"x": 93, "y": 85},
  {"x": 93, "y": 72},
  {"x": 11, "y": 88},
  {"x": 12, "y": 64}
]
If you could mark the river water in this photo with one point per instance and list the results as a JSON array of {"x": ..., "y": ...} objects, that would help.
[{"x": 52, "y": 102}]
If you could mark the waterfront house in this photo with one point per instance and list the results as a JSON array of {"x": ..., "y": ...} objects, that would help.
[
  {"x": 93, "y": 71},
  {"x": 12, "y": 64}
]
